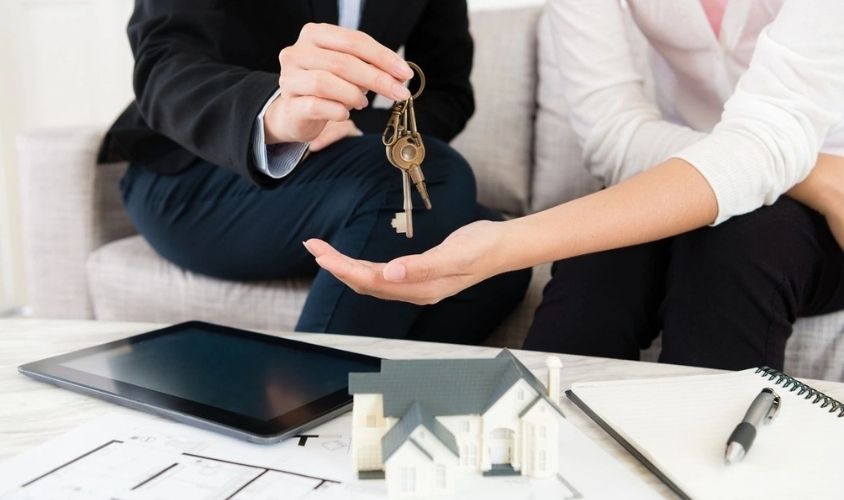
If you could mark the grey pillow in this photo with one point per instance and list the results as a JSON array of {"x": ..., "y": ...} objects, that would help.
[{"x": 498, "y": 140}]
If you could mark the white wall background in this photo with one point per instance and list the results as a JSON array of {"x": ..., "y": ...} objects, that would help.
[{"x": 65, "y": 63}]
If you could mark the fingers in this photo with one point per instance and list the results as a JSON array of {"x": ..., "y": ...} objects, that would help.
[
  {"x": 431, "y": 265},
  {"x": 368, "y": 278},
  {"x": 315, "y": 108},
  {"x": 319, "y": 248},
  {"x": 358, "y": 44},
  {"x": 306, "y": 56},
  {"x": 332, "y": 133},
  {"x": 353, "y": 70},
  {"x": 324, "y": 85}
]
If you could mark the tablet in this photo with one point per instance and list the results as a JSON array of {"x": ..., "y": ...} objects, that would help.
[{"x": 244, "y": 384}]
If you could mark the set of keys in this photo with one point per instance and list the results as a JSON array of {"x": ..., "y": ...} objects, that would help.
[{"x": 406, "y": 152}]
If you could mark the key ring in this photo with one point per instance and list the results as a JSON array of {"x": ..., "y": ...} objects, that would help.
[
  {"x": 391, "y": 133},
  {"x": 419, "y": 72}
]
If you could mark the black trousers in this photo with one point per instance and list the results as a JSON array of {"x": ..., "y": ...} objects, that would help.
[
  {"x": 723, "y": 297},
  {"x": 213, "y": 222}
]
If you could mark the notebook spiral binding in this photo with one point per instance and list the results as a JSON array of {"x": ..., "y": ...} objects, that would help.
[{"x": 802, "y": 389}]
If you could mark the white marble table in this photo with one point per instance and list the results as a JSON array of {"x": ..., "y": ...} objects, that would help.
[{"x": 33, "y": 412}]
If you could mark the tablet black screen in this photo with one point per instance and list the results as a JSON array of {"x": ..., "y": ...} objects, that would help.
[{"x": 247, "y": 376}]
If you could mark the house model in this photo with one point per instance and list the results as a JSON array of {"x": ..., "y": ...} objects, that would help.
[{"x": 420, "y": 424}]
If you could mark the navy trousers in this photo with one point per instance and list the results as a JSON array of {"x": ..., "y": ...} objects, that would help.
[
  {"x": 722, "y": 297},
  {"x": 211, "y": 221}
]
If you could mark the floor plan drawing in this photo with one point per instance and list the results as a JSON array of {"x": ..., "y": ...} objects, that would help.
[{"x": 127, "y": 456}]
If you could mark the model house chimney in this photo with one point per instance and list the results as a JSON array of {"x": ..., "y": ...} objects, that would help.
[{"x": 553, "y": 364}]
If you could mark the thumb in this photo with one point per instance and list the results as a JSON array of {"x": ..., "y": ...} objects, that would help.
[{"x": 418, "y": 268}]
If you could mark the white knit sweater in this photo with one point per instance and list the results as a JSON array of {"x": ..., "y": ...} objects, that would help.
[{"x": 750, "y": 109}]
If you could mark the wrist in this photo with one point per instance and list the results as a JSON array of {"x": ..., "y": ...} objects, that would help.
[
  {"x": 820, "y": 190},
  {"x": 513, "y": 250},
  {"x": 273, "y": 130}
]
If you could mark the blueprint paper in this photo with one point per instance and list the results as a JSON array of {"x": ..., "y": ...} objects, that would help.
[{"x": 135, "y": 456}]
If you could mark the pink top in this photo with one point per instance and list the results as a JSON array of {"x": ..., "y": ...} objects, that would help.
[{"x": 715, "y": 13}]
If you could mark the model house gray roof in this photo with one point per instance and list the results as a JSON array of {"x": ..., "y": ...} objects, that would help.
[
  {"x": 444, "y": 387},
  {"x": 418, "y": 391},
  {"x": 416, "y": 416}
]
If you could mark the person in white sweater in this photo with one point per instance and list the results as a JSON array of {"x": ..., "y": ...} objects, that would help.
[{"x": 742, "y": 155}]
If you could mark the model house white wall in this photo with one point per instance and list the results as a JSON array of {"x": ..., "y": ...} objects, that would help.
[
  {"x": 370, "y": 426},
  {"x": 501, "y": 440},
  {"x": 410, "y": 472},
  {"x": 468, "y": 430},
  {"x": 515, "y": 431},
  {"x": 540, "y": 433}
]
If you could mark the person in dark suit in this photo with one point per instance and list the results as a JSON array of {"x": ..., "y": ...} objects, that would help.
[{"x": 253, "y": 130}]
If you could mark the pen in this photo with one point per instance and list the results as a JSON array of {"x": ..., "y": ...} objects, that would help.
[{"x": 763, "y": 409}]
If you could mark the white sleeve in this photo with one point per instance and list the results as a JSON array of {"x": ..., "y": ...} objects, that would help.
[
  {"x": 277, "y": 160},
  {"x": 621, "y": 131},
  {"x": 784, "y": 106}
]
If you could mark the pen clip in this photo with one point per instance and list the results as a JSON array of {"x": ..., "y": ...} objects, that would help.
[{"x": 774, "y": 408}]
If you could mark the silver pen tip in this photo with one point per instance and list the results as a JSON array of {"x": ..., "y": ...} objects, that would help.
[{"x": 735, "y": 453}]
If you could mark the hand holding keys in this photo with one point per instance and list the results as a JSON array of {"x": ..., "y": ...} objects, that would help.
[{"x": 406, "y": 151}]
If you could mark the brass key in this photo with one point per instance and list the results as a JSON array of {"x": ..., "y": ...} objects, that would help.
[
  {"x": 403, "y": 221},
  {"x": 406, "y": 151}
]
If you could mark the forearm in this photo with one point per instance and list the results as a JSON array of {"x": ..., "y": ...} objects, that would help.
[
  {"x": 669, "y": 199},
  {"x": 822, "y": 191},
  {"x": 186, "y": 90}
]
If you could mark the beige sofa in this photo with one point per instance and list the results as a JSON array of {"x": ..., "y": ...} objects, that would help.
[{"x": 84, "y": 259}]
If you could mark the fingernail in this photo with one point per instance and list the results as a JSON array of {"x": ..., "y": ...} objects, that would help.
[
  {"x": 400, "y": 92},
  {"x": 364, "y": 103},
  {"x": 305, "y": 243},
  {"x": 395, "y": 272},
  {"x": 403, "y": 69}
]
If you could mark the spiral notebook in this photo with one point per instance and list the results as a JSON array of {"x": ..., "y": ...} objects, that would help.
[{"x": 678, "y": 428}]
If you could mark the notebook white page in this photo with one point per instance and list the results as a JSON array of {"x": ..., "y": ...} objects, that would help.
[{"x": 682, "y": 424}]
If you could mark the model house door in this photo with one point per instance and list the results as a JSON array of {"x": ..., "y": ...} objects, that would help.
[{"x": 501, "y": 446}]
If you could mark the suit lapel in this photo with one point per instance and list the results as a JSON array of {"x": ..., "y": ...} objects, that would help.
[
  {"x": 324, "y": 11},
  {"x": 380, "y": 17}
]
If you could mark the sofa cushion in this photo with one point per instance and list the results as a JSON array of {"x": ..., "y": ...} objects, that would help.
[
  {"x": 559, "y": 172},
  {"x": 69, "y": 207},
  {"x": 498, "y": 141},
  {"x": 816, "y": 348},
  {"x": 130, "y": 282},
  {"x": 512, "y": 332}
]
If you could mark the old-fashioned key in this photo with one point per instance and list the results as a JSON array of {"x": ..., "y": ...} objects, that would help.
[
  {"x": 396, "y": 126},
  {"x": 403, "y": 221},
  {"x": 406, "y": 151}
]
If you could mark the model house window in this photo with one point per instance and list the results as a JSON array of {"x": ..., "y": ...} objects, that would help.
[
  {"x": 441, "y": 477},
  {"x": 421, "y": 435},
  {"x": 473, "y": 455},
  {"x": 521, "y": 394},
  {"x": 370, "y": 456},
  {"x": 408, "y": 479},
  {"x": 464, "y": 459},
  {"x": 541, "y": 461},
  {"x": 370, "y": 420},
  {"x": 542, "y": 432},
  {"x": 464, "y": 426}
]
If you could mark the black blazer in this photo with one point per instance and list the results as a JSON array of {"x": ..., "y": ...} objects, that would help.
[{"x": 205, "y": 68}]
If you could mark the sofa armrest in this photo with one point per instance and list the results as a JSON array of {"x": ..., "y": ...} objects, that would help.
[{"x": 70, "y": 207}]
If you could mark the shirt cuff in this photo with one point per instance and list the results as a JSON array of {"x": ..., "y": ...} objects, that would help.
[
  {"x": 720, "y": 160},
  {"x": 275, "y": 160}
]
